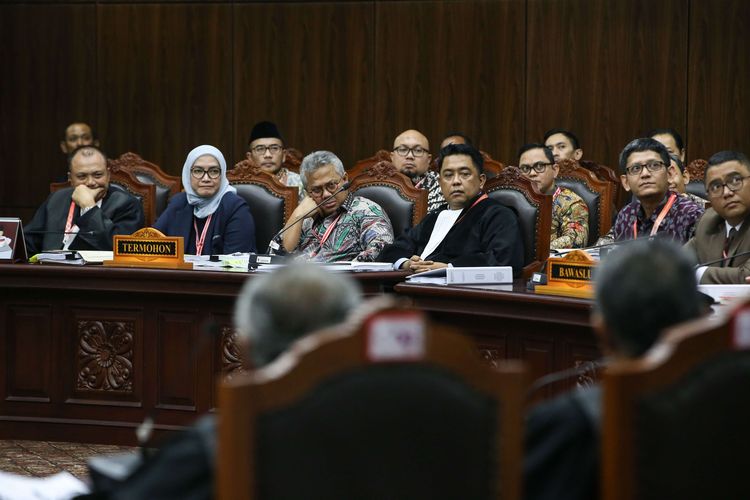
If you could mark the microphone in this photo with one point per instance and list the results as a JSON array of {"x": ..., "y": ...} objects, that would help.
[
  {"x": 723, "y": 259},
  {"x": 275, "y": 246}
]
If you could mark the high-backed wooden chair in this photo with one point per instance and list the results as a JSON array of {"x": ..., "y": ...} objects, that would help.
[
  {"x": 393, "y": 191},
  {"x": 128, "y": 182},
  {"x": 596, "y": 193},
  {"x": 534, "y": 211},
  {"x": 271, "y": 203},
  {"x": 697, "y": 184},
  {"x": 399, "y": 408},
  {"x": 676, "y": 421},
  {"x": 619, "y": 196},
  {"x": 361, "y": 165},
  {"x": 166, "y": 185}
]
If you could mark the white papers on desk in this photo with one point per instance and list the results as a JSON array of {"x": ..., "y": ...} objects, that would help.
[
  {"x": 232, "y": 262},
  {"x": 61, "y": 486},
  {"x": 95, "y": 256},
  {"x": 725, "y": 294},
  {"x": 464, "y": 276},
  {"x": 72, "y": 258},
  {"x": 354, "y": 266}
]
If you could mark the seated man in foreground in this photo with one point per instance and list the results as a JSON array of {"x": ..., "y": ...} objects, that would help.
[
  {"x": 645, "y": 171},
  {"x": 570, "y": 214},
  {"x": 472, "y": 230},
  {"x": 344, "y": 227},
  {"x": 722, "y": 231},
  {"x": 86, "y": 215},
  {"x": 631, "y": 311}
]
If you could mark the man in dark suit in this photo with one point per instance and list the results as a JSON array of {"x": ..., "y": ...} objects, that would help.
[
  {"x": 471, "y": 230},
  {"x": 722, "y": 233},
  {"x": 86, "y": 215}
]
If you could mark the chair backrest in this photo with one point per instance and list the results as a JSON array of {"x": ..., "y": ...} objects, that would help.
[
  {"x": 149, "y": 173},
  {"x": 271, "y": 203},
  {"x": 697, "y": 171},
  {"x": 393, "y": 191},
  {"x": 128, "y": 182},
  {"x": 676, "y": 421},
  {"x": 398, "y": 408},
  {"x": 596, "y": 193},
  {"x": 534, "y": 211},
  {"x": 361, "y": 165}
]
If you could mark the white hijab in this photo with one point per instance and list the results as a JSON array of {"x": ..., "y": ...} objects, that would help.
[{"x": 203, "y": 207}]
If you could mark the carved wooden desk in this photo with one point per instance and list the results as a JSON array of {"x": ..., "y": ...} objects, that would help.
[{"x": 88, "y": 352}]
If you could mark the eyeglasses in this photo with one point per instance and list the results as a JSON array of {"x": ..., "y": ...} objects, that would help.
[
  {"x": 417, "y": 151},
  {"x": 198, "y": 173},
  {"x": 651, "y": 166},
  {"x": 260, "y": 149},
  {"x": 733, "y": 182},
  {"x": 538, "y": 167},
  {"x": 330, "y": 187}
]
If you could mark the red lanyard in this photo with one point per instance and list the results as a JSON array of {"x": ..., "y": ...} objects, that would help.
[
  {"x": 69, "y": 222},
  {"x": 557, "y": 192},
  {"x": 481, "y": 198},
  {"x": 199, "y": 242},
  {"x": 418, "y": 184},
  {"x": 659, "y": 219},
  {"x": 326, "y": 234}
]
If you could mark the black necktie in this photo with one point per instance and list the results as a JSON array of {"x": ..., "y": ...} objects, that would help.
[{"x": 727, "y": 243}]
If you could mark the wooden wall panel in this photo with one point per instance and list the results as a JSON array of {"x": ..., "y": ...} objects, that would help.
[
  {"x": 607, "y": 69},
  {"x": 28, "y": 349},
  {"x": 719, "y": 93},
  {"x": 177, "y": 360},
  {"x": 309, "y": 68},
  {"x": 165, "y": 80},
  {"x": 444, "y": 66},
  {"x": 48, "y": 79}
]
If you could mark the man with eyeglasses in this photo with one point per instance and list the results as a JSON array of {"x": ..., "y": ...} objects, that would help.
[
  {"x": 570, "y": 214},
  {"x": 471, "y": 230},
  {"x": 645, "y": 171},
  {"x": 344, "y": 228},
  {"x": 722, "y": 232},
  {"x": 411, "y": 156},
  {"x": 86, "y": 215},
  {"x": 266, "y": 149}
]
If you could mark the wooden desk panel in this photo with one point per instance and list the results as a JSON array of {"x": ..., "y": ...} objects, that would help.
[{"x": 88, "y": 352}]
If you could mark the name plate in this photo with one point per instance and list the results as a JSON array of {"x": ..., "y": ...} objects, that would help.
[
  {"x": 569, "y": 276},
  {"x": 148, "y": 247}
]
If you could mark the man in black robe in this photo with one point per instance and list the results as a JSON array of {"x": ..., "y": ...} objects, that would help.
[
  {"x": 86, "y": 215},
  {"x": 471, "y": 230}
]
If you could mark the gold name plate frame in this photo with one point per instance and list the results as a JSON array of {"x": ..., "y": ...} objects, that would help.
[
  {"x": 569, "y": 276},
  {"x": 148, "y": 247}
]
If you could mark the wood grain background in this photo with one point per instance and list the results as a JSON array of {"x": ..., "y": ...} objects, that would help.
[{"x": 160, "y": 77}]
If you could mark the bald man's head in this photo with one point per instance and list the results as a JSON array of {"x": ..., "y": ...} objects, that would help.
[{"x": 411, "y": 153}]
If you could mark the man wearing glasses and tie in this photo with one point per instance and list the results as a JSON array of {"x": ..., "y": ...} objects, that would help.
[
  {"x": 570, "y": 215},
  {"x": 331, "y": 224},
  {"x": 722, "y": 232},
  {"x": 411, "y": 156},
  {"x": 645, "y": 171}
]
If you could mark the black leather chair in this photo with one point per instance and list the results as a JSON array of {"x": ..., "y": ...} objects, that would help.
[
  {"x": 343, "y": 418},
  {"x": 393, "y": 191},
  {"x": 271, "y": 203},
  {"x": 146, "y": 172},
  {"x": 596, "y": 193},
  {"x": 534, "y": 211}
]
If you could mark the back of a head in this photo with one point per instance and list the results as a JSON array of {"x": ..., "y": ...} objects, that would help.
[
  {"x": 641, "y": 289},
  {"x": 276, "y": 309}
]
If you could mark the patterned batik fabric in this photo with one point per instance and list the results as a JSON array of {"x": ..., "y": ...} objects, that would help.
[
  {"x": 361, "y": 232},
  {"x": 292, "y": 179},
  {"x": 430, "y": 182},
  {"x": 678, "y": 224},
  {"x": 570, "y": 220}
]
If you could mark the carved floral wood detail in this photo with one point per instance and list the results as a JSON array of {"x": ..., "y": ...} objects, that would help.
[
  {"x": 105, "y": 356},
  {"x": 587, "y": 373},
  {"x": 242, "y": 170},
  {"x": 381, "y": 170},
  {"x": 509, "y": 175},
  {"x": 697, "y": 169},
  {"x": 231, "y": 354},
  {"x": 491, "y": 356}
]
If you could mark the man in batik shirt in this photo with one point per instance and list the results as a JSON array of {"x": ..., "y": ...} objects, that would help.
[
  {"x": 645, "y": 170},
  {"x": 570, "y": 215},
  {"x": 411, "y": 156},
  {"x": 344, "y": 228}
]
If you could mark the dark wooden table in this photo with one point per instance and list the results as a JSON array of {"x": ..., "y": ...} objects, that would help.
[{"x": 88, "y": 352}]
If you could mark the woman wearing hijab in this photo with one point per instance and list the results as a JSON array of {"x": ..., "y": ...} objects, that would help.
[{"x": 208, "y": 214}]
